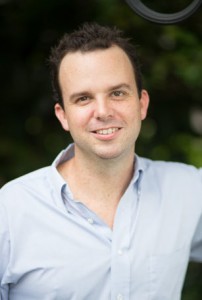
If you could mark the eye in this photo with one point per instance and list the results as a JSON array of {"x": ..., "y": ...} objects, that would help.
[
  {"x": 118, "y": 93},
  {"x": 83, "y": 99}
]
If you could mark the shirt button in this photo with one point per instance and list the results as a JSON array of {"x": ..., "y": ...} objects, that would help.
[
  {"x": 119, "y": 297},
  {"x": 90, "y": 220},
  {"x": 120, "y": 252}
]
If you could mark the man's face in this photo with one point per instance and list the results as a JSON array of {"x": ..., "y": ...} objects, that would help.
[{"x": 102, "y": 110}]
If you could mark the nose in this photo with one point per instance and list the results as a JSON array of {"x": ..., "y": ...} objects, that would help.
[{"x": 103, "y": 109}]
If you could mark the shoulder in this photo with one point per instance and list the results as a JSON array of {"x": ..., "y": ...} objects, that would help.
[
  {"x": 168, "y": 166},
  {"x": 29, "y": 182},
  {"x": 173, "y": 172},
  {"x": 177, "y": 186},
  {"x": 27, "y": 178}
]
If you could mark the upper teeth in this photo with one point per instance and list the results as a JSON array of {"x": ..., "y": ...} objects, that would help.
[{"x": 107, "y": 131}]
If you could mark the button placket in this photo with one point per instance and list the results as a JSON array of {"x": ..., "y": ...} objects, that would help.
[
  {"x": 90, "y": 220},
  {"x": 121, "y": 264},
  {"x": 120, "y": 252},
  {"x": 119, "y": 297}
]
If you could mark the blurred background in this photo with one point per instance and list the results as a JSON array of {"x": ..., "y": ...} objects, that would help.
[{"x": 171, "y": 56}]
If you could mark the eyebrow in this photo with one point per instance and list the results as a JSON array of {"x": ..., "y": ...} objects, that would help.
[
  {"x": 79, "y": 94},
  {"x": 109, "y": 89},
  {"x": 119, "y": 86}
]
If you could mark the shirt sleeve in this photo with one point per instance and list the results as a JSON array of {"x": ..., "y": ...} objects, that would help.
[
  {"x": 196, "y": 249},
  {"x": 4, "y": 251}
]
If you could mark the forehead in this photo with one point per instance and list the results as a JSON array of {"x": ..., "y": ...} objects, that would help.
[{"x": 97, "y": 67}]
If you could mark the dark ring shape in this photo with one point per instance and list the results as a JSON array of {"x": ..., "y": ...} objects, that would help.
[{"x": 156, "y": 17}]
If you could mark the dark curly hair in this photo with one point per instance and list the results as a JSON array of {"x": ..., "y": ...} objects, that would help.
[{"x": 89, "y": 37}]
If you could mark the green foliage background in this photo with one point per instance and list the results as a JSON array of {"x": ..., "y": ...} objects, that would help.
[{"x": 171, "y": 56}]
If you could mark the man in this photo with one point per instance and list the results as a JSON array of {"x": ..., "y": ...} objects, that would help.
[{"x": 101, "y": 222}]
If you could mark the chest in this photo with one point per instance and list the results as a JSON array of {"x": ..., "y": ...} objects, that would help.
[{"x": 61, "y": 256}]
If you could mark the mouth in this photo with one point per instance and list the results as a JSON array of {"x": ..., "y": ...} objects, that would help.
[{"x": 106, "y": 131}]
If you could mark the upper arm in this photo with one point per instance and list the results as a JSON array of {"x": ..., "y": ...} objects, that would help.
[
  {"x": 4, "y": 250},
  {"x": 196, "y": 248}
]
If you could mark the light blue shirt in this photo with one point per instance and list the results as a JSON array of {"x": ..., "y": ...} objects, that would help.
[{"x": 53, "y": 247}]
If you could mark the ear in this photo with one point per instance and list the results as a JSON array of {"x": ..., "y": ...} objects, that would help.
[
  {"x": 144, "y": 104},
  {"x": 61, "y": 115}
]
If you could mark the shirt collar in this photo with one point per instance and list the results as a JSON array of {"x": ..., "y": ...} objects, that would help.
[
  {"x": 57, "y": 182},
  {"x": 60, "y": 184},
  {"x": 64, "y": 155},
  {"x": 139, "y": 167}
]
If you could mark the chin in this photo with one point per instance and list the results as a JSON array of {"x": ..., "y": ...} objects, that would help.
[{"x": 107, "y": 155}]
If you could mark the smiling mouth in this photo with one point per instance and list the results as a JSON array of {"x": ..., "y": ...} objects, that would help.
[{"x": 107, "y": 131}]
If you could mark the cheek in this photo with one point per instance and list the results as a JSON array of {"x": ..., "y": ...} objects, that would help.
[
  {"x": 79, "y": 118},
  {"x": 132, "y": 113}
]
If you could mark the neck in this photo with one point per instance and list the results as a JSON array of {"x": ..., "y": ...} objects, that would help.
[
  {"x": 106, "y": 171},
  {"x": 102, "y": 174},
  {"x": 99, "y": 183}
]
